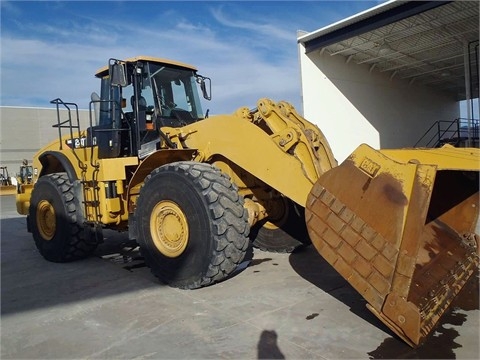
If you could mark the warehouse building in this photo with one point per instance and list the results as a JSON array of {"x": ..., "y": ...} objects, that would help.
[
  {"x": 37, "y": 130},
  {"x": 393, "y": 76}
]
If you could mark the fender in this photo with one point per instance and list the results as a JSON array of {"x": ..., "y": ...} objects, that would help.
[
  {"x": 153, "y": 161},
  {"x": 54, "y": 161}
]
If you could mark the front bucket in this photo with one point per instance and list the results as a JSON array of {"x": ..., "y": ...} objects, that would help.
[
  {"x": 399, "y": 226},
  {"x": 8, "y": 190}
]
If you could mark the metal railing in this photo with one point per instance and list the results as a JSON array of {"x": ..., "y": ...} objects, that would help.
[
  {"x": 68, "y": 123},
  {"x": 457, "y": 132}
]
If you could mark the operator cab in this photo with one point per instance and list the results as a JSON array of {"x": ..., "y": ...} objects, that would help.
[{"x": 139, "y": 96}]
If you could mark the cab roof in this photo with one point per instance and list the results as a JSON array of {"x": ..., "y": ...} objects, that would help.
[{"x": 103, "y": 71}]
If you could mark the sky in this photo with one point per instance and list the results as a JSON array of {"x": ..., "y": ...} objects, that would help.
[{"x": 51, "y": 49}]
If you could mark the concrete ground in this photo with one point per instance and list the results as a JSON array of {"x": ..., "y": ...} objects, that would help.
[{"x": 278, "y": 306}]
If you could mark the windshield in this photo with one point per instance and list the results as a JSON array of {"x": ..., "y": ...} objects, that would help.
[{"x": 171, "y": 91}]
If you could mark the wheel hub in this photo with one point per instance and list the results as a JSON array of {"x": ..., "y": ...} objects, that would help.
[
  {"x": 169, "y": 228},
  {"x": 277, "y": 213},
  {"x": 46, "y": 221}
]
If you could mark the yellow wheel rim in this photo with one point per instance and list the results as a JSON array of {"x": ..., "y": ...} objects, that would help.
[
  {"x": 46, "y": 221},
  {"x": 169, "y": 228}
]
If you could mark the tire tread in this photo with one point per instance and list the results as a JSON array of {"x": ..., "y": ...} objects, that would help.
[
  {"x": 227, "y": 212},
  {"x": 76, "y": 245}
]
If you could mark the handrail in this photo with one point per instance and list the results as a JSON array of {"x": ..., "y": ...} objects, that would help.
[
  {"x": 68, "y": 124},
  {"x": 443, "y": 131},
  {"x": 61, "y": 124}
]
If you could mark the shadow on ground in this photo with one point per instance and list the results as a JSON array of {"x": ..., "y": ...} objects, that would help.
[
  {"x": 440, "y": 344},
  {"x": 308, "y": 263},
  {"x": 30, "y": 282},
  {"x": 267, "y": 347}
]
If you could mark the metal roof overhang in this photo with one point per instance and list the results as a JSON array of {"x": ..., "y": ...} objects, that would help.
[{"x": 434, "y": 43}]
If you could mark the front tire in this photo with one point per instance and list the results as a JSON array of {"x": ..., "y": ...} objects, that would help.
[
  {"x": 191, "y": 224},
  {"x": 54, "y": 221}
]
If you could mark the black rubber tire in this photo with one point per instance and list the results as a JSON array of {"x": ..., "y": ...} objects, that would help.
[
  {"x": 68, "y": 240},
  {"x": 284, "y": 237},
  {"x": 217, "y": 224}
]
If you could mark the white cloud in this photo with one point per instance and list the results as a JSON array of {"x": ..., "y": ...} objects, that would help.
[
  {"x": 60, "y": 61},
  {"x": 268, "y": 31},
  {"x": 10, "y": 7},
  {"x": 36, "y": 71}
]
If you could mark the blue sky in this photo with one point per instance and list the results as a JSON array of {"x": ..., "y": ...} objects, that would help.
[{"x": 248, "y": 48}]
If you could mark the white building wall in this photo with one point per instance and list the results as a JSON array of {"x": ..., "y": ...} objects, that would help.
[
  {"x": 23, "y": 131},
  {"x": 353, "y": 105}
]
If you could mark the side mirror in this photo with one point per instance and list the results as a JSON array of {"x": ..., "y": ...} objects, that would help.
[
  {"x": 202, "y": 80},
  {"x": 118, "y": 73}
]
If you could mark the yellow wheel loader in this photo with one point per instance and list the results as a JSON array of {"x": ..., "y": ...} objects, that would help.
[
  {"x": 194, "y": 190},
  {"x": 6, "y": 185},
  {"x": 25, "y": 176}
]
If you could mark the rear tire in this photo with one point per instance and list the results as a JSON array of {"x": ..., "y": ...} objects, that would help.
[
  {"x": 191, "y": 224},
  {"x": 282, "y": 235},
  {"x": 54, "y": 222}
]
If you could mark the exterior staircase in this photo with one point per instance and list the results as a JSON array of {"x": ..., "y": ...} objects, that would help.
[{"x": 459, "y": 133}]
